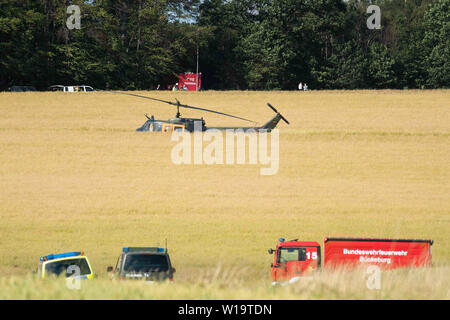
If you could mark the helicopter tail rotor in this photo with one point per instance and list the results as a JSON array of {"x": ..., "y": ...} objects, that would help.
[
  {"x": 272, "y": 123},
  {"x": 276, "y": 111}
]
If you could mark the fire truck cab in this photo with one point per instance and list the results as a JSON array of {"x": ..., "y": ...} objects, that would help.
[{"x": 294, "y": 258}]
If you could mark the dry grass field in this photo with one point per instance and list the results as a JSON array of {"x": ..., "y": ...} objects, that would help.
[{"x": 75, "y": 175}]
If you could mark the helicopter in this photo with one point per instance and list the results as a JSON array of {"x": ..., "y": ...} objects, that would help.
[{"x": 194, "y": 124}]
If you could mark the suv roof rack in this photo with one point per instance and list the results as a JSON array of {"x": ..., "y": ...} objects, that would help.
[{"x": 144, "y": 249}]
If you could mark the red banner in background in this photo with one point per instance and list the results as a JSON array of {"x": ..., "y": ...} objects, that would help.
[{"x": 188, "y": 81}]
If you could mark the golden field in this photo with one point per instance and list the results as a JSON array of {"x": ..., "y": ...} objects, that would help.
[{"x": 75, "y": 175}]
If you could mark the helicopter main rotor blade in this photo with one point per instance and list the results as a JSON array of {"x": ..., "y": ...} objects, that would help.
[
  {"x": 182, "y": 105},
  {"x": 217, "y": 112},
  {"x": 139, "y": 96}
]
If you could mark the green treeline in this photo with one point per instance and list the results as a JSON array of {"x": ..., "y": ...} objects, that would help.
[{"x": 242, "y": 44}]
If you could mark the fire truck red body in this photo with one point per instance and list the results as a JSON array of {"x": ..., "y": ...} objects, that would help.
[
  {"x": 297, "y": 258},
  {"x": 190, "y": 81},
  {"x": 294, "y": 258}
]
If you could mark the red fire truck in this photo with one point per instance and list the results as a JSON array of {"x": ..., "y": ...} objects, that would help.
[
  {"x": 297, "y": 258},
  {"x": 190, "y": 81}
]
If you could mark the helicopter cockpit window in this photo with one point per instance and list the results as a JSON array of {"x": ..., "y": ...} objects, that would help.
[{"x": 156, "y": 127}]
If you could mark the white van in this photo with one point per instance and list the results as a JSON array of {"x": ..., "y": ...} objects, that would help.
[{"x": 82, "y": 88}]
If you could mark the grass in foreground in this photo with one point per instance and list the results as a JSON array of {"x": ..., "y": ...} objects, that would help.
[{"x": 429, "y": 283}]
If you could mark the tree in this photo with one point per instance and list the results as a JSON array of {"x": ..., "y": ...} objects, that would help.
[
  {"x": 243, "y": 44},
  {"x": 437, "y": 39},
  {"x": 344, "y": 69},
  {"x": 380, "y": 72}
]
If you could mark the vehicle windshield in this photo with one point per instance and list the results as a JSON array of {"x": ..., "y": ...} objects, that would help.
[
  {"x": 291, "y": 254},
  {"x": 62, "y": 267},
  {"x": 157, "y": 127},
  {"x": 145, "y": 263}
]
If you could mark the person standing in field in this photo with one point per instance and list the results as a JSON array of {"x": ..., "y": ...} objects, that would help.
[
  {"x": 305, "y": 87},
  {"x": 300, "y": 86}
]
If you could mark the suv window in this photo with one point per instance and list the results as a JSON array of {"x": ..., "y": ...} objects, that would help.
[
  {"x": 146, "y": 262},
  {"x": 60, "y": 267},
  {"x": 291, "y": 254}
]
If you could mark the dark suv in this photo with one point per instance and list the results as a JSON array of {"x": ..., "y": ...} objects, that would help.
[
  {"x": 21, "y": 88},
  {"x": 150, "y": 264}
]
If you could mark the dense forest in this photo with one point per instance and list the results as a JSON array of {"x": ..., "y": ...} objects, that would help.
[{"x": 241, "y": 44}]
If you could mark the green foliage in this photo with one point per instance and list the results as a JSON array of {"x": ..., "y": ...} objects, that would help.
[
  {"x": 380, "y": 67},
  {"x": 242, "y": 44},
  {"x": 343, "y": 70},
  {"x": 437, "y": 39}
]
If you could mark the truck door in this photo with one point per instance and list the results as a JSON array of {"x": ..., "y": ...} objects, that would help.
[
  {"x": 313, "y": 259},
  {"x": 294, "y": 262},
  {"x": 288, "y": 263}
]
